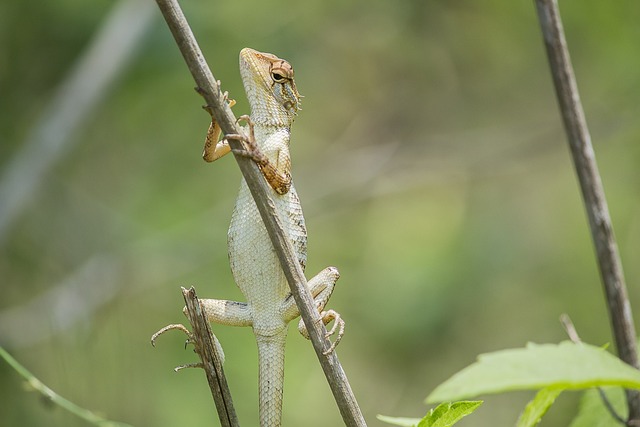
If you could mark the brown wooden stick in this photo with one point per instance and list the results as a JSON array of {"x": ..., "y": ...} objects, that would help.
[
  {"x": 593, "y": 195},
  {"x": 210, "y": 354}
]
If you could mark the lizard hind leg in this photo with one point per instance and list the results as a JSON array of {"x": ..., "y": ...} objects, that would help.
[
  {"x": 224, "y": 312},
  {"x": 326, "y": 317},
  {"x": 321, "y": 287}
]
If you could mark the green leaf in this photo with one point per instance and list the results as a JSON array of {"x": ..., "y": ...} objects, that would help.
[
  {"x": 539, "y": 406},
  {"x": 447, "y": 414},
  {"x": 444, "y": 415},
  {"x": 399, "y": 421},
  {"x": 593, "y": 413},
  {"x": 565, "y": 365}
]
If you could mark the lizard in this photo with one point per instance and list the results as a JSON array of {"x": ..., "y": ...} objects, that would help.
[{"x": 274, "y": 102}]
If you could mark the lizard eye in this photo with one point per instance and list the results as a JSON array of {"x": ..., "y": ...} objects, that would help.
[{"x": 277, "y": 77}]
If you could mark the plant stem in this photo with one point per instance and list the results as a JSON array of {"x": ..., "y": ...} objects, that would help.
[
  {"x": 211, "y": 359},
  {"x": 54, "y": 397},
  {"x": 593, "y": 195}
]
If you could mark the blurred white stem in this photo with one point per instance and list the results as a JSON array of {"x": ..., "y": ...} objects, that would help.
[{"x": 77, "y": 97}]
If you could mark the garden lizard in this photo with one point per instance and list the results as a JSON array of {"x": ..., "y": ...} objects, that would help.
[{"x": 274, "y": 102}]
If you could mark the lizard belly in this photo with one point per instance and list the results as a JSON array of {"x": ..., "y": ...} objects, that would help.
[{"x": 254, "y": 263}]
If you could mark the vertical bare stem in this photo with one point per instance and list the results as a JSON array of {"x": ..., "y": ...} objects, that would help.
[
  {"x": 208, "y": 349},
  {"x": 592, "y": 191}
]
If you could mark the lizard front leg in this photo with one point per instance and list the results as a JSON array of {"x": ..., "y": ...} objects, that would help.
[
  {"x": 214, "y": 149},
  {"x": 278, "y": 175}
]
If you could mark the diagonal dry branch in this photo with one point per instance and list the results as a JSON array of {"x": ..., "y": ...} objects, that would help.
[
  {"x": 593, "y": 195},
  {"x": 212, "y": 94}
]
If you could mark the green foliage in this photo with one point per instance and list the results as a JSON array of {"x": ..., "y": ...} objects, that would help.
[
  {"x": 552, "y": 368},
  {"x": 55, "y": 398},
  {"x": 539, "y": 406},
  {"x": 564, "y": 366},
  {"x": 593, "y": 413},
  {"x": 444, "y": 415}
]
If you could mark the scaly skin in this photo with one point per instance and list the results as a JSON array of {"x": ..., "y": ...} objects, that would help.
[{"x": 274, "y": 102}]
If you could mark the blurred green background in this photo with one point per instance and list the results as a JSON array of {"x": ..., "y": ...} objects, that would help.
[{"x": 429, "y": 158}]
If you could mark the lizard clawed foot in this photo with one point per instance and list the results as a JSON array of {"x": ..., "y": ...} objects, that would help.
[
  {"x": 338, "y": 325},
  {"x": 251, "y": 150},
  {"x": 190, "y": 340},
  {"x": 179, "y": 327},
  {"x": 225, "y": 98}
]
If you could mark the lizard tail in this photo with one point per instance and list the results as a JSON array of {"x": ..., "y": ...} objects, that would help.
[{"x": 271, "y": 378}]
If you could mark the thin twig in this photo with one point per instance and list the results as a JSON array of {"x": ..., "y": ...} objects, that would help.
[
  {"x": 210, "y": 90},
  {"x": 568, "y": 325},
  {"x": 208, "y": 349},
  {"x": 593, "y": 195},
  {"x": 610, "y": 408},
  {"x": 203, "y": 340}
]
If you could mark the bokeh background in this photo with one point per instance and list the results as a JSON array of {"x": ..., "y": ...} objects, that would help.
[{"x": 429, "y": 157}]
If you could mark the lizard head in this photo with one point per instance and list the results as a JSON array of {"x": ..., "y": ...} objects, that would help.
[{"x": 271, "y": 90}]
